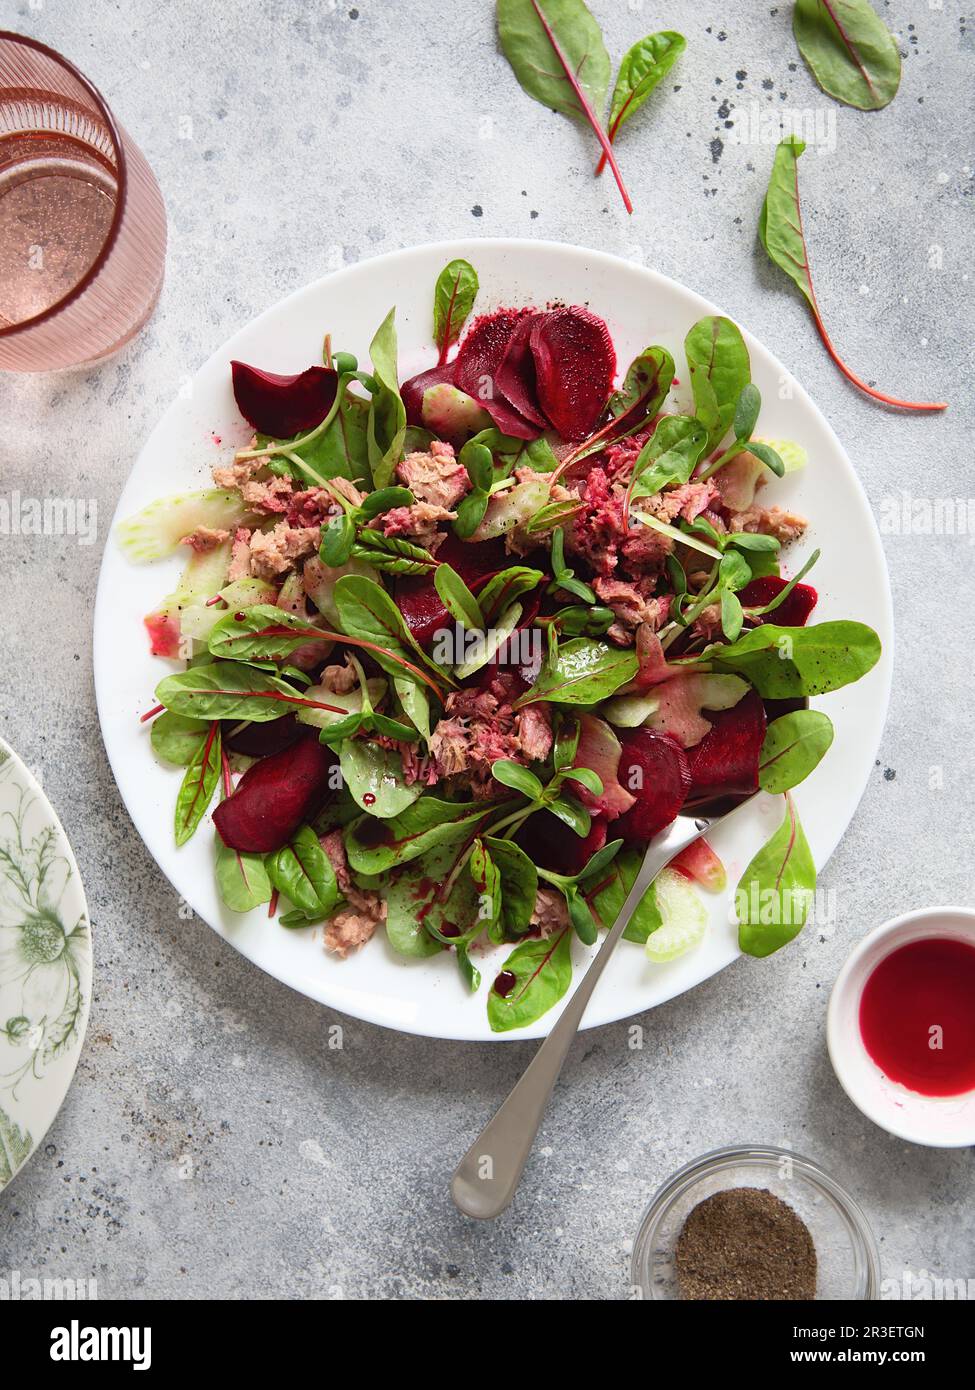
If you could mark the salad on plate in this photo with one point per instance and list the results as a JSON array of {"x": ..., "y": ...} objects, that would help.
[{"x": 453, "y": 650}]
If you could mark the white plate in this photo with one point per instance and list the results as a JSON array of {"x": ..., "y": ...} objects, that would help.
[
  {"x": 45, "y": 964},
  {"x": 640, "y": 307}
]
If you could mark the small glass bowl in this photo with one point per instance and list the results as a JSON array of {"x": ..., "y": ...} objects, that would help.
[{"x": 846, "y": 1252}]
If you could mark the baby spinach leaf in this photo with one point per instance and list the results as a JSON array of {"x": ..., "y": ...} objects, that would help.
[
  {"x": 231, "y": 690},
  {"x": 776, "y": 891},
  {"x": 646, "y": 64},
  {"x": 557, "y": 52},
  {"x": 794, "y": 745},
  {"x": 386, "y": 428},
  {"x": 342, "y": 450},
  {"x": 519, "y": 886},
  {"x": 337, "y": 540},
  {"x": 458, "y": 599},
  {"x": 241, "y": 878},
  {"x": 416, "y": 704},
  {"x": 470, "y": 512},
  {"x": 719, "y": 366},
  {"x": 669, "y": 455},
  {"x": 543, "y": 972},
  {"x": 302, "y": 871},
  {"x": 852, "y": 55},
  {"x": 780, "y": 232},
  {"x": 486, "y": 878},
  {"x": 518, "y": 778},
  {"x": 580, "y": 916},
  {"x": 783, "y": 662},
  {"x": 176, "y": 739},
  {"x": 198, "y": 785},
  {"x": 429, "y": 822},
  {"x": 366, "y": 611},
  {"x": 374, "y": 777},
  {"x": 453, "y": 299},
  {"x": 583, "y": 672},
  {"x": 606, "y": 892},
  {"x": 430, "y": 892}
]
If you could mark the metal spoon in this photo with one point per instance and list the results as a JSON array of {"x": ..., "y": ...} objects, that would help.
[{"x": 487, "y": 1176}]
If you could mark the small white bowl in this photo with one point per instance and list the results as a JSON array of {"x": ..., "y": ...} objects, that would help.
[{"x": 942, "y": 1122}]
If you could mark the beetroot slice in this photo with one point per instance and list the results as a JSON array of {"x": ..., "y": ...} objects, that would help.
[
  {"x": 550, "y": 843},
  {"x": 515, "y": 377},
  {"x": 725, "y": 762},
  {"x": 575, "y": 363},
  {"x": 275, "y": 796},
  {"x": 281, "y": 406},
  {"x": 412, "y": 391},
  {"x": 663, "y": 767},
  {"x": 417, "y": 599},
  {"x": 791, "y": 612},
  {"x": 476, "y": 370},
  {"x": 259, "y": 740}
]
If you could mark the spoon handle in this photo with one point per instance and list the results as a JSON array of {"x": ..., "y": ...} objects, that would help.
[{"x": 487, "y": 1176}]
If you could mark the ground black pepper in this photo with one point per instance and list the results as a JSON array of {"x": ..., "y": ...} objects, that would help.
[{"x": 745, "y": 1244}]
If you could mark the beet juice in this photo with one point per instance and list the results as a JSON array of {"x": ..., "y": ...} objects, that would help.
[{"x": 917, "y": 1016}]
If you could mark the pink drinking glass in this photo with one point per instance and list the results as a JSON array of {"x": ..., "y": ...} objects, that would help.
[{"x": 82, "y": 221}]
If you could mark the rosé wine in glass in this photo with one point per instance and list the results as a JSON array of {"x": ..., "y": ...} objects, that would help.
[{"x": 82, "y": 222}]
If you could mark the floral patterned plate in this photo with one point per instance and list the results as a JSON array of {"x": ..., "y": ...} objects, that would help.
[{"x": 45, "y": 964}]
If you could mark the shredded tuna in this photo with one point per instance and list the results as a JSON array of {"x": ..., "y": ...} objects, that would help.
[
  {"x": 435, "y": 477},
  {"x": 449, "y": 743},
  {"x": 340, "y": 680},
  {"x": 534, "y": 730},
  {"x": 274, "y": 552},
  {"x": 770, "y": 521},
  {"x": 361, "y": 900},
  {"x": 271, "y": 497},
  {"x": 234, "y": 475},
  {"x": 597, "y": 530},
  {"x": 629, "y": 604},
  {"x": 420, "y": 522},
  {"x": 240, "y": 555},
  {"x": 550, "y": 914},
  {"x": 311, "y": 507},
  {"x": 645, "y": 551},
  {"x": 348, "y": 490},
  {"x": 478, "y": 730},
  {"x": 204, "y": 539},
  {"x": 349, "y": 931}
]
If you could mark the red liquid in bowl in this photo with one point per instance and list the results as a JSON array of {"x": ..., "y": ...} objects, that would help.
[{"x": 917, "y": 1016}]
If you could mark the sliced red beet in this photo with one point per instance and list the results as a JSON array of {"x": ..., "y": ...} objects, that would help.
[
  {"x": 412, "y": 391},
  {"x": 550, "y": 843},
  {"x": 515, "y": 377},
  {"x": 281, "y": 406},
  {"x": 276, "y": 796},
  {"x": 725, "y": 762},
  {"x": 417, "y": 599},
  {"x": 259, "y": 740},
  {"x": 575, "y": 363},
  {"x": 476, "y": 369},
  {"x": 660, "y": 789},
  {"x": 791, "y": 612}
]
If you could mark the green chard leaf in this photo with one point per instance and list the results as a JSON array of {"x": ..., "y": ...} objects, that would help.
[
  {"x": 794, "y": 745},
  {"x": 606, "y": 892},
  {"x": 543, "y": 972},
  {"x": 720, "y": 367},
  {"x": 232, "y": 690},
  {"x": 556, "y": 50},
  {"x": 242, "y": 878},
  {"x": 386, "y": 428},
  {"x": 453, "y": 299},
  {"x": 519, "y": 886},
  {"x": 776, "y": 891},
  {"x": 198, "y": 785},
  {"x": 373, "y": 848},
  {"x": 643, "y": 67},
  {"x": 457, "y": 598},
  {"x": 374, "y": 777},
  {"x": 427, "y": 895},
  {"x": 784, "y": 662},
  {"x": 583, "y": 672},
  {"x": 849, "y": 50}
]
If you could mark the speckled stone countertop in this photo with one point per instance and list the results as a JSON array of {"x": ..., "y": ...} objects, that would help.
[{"x": 214, "y": 1144}]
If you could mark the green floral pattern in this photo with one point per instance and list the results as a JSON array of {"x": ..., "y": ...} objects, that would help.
[{"x": 45, "y": 965}]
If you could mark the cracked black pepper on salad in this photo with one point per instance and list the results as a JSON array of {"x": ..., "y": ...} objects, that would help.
[{"x": 456, "y": 649}]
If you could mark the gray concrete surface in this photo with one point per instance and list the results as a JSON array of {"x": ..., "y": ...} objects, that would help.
[{"x": 213, "y": 1143}]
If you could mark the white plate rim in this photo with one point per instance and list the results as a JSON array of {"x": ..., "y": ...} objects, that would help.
[{"x": 697, "y": 306}]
